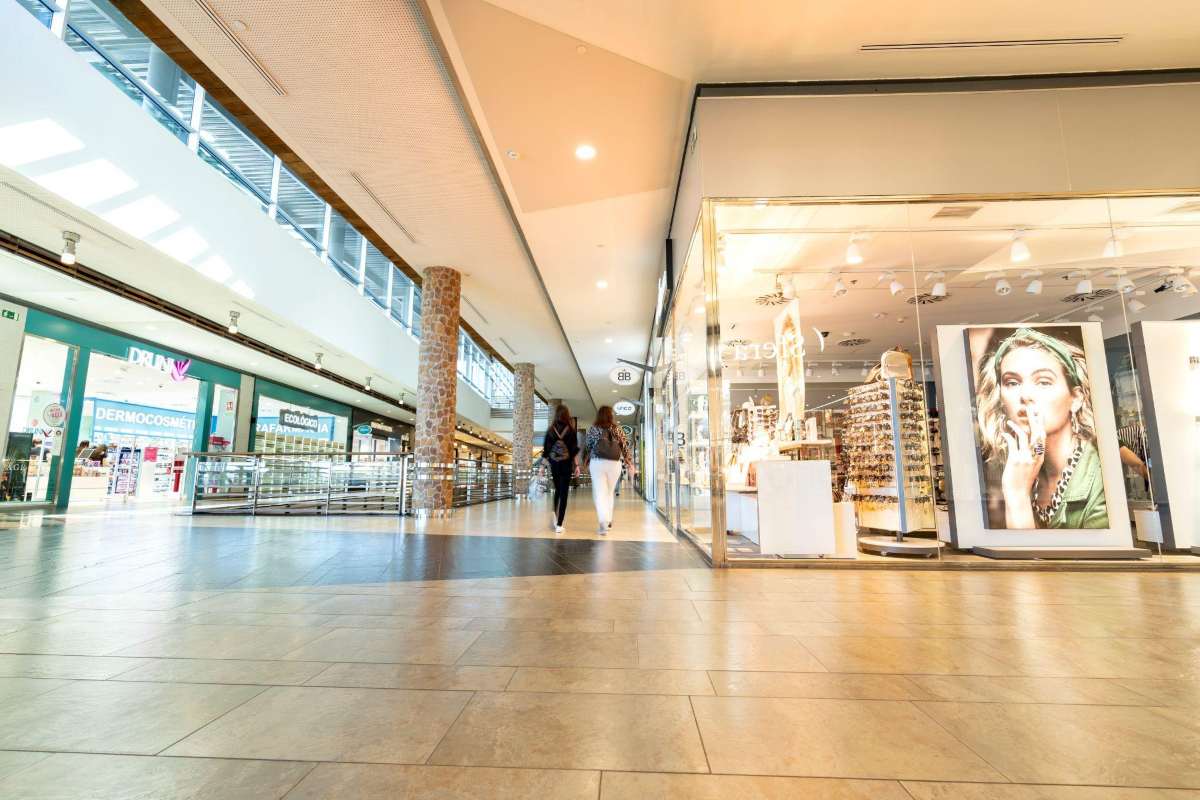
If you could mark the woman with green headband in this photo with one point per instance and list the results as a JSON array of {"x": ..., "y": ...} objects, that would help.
[{"x": 1035, "y": 420}]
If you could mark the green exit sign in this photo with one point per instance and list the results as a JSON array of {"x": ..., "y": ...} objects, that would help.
[{"x": 8, "y": 313}]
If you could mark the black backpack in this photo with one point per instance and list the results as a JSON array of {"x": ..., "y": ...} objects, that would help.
[
  {"x": 607, "y": 447},
  {"x": 559, "y": 450}
]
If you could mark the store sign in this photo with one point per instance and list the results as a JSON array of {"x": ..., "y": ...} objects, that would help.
[
  {"x": 54, "y": 415},
  {"x": 380, "y": 428},
  {"x": 175, "y": 367},
  {"x": 624, "y": 408},
  {"x": 290, "y": 418},
  {"x": 363, "y": 430},
  {"x": 623, "y": 375},
  {"x": 271, "y": 425},
  {"x": 127, "y": 419}
]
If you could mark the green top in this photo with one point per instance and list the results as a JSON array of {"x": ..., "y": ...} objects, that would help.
[{"x": 1083, "y": 505}]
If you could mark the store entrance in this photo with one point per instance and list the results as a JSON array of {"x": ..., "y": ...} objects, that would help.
[{"x": 139, "y": 422}]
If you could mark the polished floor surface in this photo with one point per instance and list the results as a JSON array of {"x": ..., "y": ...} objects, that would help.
[{"x": 156, "y": 656}]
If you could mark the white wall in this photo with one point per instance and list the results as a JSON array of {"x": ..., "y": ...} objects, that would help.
[{"x": 140, "y": 172}]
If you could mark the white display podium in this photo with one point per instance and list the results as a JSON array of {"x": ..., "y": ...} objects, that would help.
[{"x": 795, "y": 508}]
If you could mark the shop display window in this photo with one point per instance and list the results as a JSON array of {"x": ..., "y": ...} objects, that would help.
[
  {"x": 35, "y": 428},
  {"x": 284, "y": 428},
  {"x": 943, "y": 379}
]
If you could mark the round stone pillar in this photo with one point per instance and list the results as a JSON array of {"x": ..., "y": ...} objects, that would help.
[
  {"x": 522, "y": 428},
  {"x": 437, "y": 388}
]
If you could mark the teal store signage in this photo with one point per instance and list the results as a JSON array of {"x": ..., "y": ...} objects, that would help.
[{"x": 127, "y": 419}]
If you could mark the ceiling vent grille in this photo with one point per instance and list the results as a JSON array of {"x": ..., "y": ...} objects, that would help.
[
  {"x": 475, "y": 308},
  {"x": 987, "y": 43},
  {"x": 775, "y": 298},
  {"x": 1098, "y": 294},
  {"x": 956, "y": 212},
  {"x": 362, "y": 184},
  {"x": 511, "y": 349},
  {"x": 229, "y": 34},
  {"x": 855, "y": 341},
  {"x": 926, "y": 299}
]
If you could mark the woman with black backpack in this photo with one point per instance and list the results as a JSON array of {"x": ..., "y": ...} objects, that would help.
[
  {"x": 603, "y": 451},
  {"x": 561, "y": 449}
]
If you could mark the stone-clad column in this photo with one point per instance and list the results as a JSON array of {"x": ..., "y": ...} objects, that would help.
[
  {"x": 522, "y": 427},
  {"x": 437, "y": 386}
]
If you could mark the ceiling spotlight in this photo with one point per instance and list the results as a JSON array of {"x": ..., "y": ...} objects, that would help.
[
  {"x": 762, "y": 372},
  {"x": 70, "y": 239},
  {"x": 233, "y": 322},
  {"x": 808, "y": 371},
  {"x": 317, "y": 361},
  {"x": 1003, "y": 287},
  {"x": 1183, "y": 286},
  {"x": 1124, "y": 284},
  {"x": 789, "y": 289},
  {"x": 1136, "y": 306},
  {"x": 1085, "y": 284},
  {"x": 853, "y": 252},
  {"x": 601, "y": 284},
  {"x": 585, "y": 152},
  {"x": 1019, "y": 251},
  {"x": 939, "y": 286},
  {"x": 834, "y": 370},
  {"x": 1035, "y": 286},
  {"x": 839, "y": 288},
  {"x": 367, "y": 384},
  {"x": 1113, "y": 247},
  {"x": 880, "y": 315},
  {"x": 895, "y": 287}
]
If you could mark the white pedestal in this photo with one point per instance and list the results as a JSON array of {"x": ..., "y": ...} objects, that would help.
[
  {"x": 1148, "y": 525},
  {"x": 795, "y": 508},
  {"x": 845, "y": 530},
  {"x": 741, "y": 512}
]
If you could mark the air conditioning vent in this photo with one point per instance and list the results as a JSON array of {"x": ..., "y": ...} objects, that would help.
[
  {"x": 511, "y": 349},
  {"x": 228, "y": 33},
  {"x": 362, "y": 184},
  {"x": 475, "y": 308},
  {"x": 926, "y": 299},
  {"x": 853, "y": 342},
  {"x": 986, "y": 43},
  {"x": 1098, "y": 294},
  {"x": 775, "y": 298},
  {"x": 956, "y": 212}
]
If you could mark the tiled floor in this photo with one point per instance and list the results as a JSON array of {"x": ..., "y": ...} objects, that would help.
[{"x": 161, "y": 657}]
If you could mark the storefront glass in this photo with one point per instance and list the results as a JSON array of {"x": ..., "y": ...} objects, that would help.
[
  {"x": 224, "y": 419},
  {"x": 35, "y": 429},
  {"x": 292, "y": 428},
  {"x": 941, "y": 379}
]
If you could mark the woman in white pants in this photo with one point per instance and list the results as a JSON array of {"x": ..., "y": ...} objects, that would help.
[{"x": 603, "y": 451}]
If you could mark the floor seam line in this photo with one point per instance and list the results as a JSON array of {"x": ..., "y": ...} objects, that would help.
[
  {"x": 917, "y": 705},
  {"x": 449, "y": 728},
  {"x": 700, "y": 735},
  {"x": 214, "y": 719}
]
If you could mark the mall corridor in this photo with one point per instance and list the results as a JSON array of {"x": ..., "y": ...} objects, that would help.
[{"x": 159, "y": 657}]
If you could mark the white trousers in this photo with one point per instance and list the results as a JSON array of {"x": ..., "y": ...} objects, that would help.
[{"x": 605, "y": 474}]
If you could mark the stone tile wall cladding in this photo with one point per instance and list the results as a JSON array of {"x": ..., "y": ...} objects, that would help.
[
  {"x": 437, "y": 386},
  {"x": 522, "y": 427}
]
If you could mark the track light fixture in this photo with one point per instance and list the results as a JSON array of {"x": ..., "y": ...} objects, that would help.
[
  {"x": 1019, "y": 251},
  {"x": 939, "y": 285},
  {"x": 1085, "y": 284},
  {"x": 808, "y": 371},
  {"x": 835, "y": 370},
  {"x": 367, "y": 384},
  {"x": 789, "y": 288},
  {"x": 1003, "y": 287},
  {"x": 839, "y": 288},
  {"x": 854, "y": 254},
  {"x": 233, "y": 322},
  {"x": 70, "y": 239},
  {"x": 317, "y": 361}
]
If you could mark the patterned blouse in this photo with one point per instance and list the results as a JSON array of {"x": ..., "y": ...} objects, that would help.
[{"x": 593, "y": 438}]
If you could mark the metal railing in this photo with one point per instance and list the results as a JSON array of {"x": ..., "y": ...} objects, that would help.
[{"x": 260, "y": 484}]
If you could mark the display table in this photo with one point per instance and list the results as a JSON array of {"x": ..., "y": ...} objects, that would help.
[{"x": 795, "y": 508}]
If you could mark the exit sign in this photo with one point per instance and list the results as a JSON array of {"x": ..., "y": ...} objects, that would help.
[{"x": 8, "y": 313}]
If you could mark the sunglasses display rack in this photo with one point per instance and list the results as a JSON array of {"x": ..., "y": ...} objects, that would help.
[{"x": 886, "y": 451}]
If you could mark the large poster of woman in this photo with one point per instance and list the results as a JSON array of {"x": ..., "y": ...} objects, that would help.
[
  {"x": 1035, "y": 430},
  {"x": 789, "y": 363}
]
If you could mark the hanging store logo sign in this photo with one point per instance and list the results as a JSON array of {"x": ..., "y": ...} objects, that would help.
[
  {"x": 299, "y": 420},
  {"x": 54, "y": 415},
  {"x": 623, "y": 376},
  {"x": 175, "y": 367},
  {"x": 624, "y": 408}
]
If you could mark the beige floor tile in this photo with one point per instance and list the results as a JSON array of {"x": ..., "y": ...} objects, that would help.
[
  {"x": 14, "y": 689},
  {"x": 816, "y": 685},
  {"x": 570, "y": 608},
  {"x": 548, "y": 625},
  {"x": 578, "y": 731},
  {"x": 133, "y": 600},
  {"x": 113, "y": 717},
  {"x": 900, "y": 656},
  {"x": 270, "y": 620},
  {"x": 253, "y": 642},
  {"x": 79, "y": 638},
  {"x": 798, "y": 628},
  {"x": 734, "y": 611},
  {"x": 67, "y": 667},
  {"x": 392, "y": 782},
  {"x": 260, "y": 602},
  {"x": 414, "y": 676},
  {"x": 1097, "y": 658},
  {"x": 1077, "y": 744},
  {"x": 696, "y": 627},
  {"x": 325, "y": 724},
  {"x": 13, "y": 761},
  {"x": 430, "y": 606},
  {"x": 1165, "y": 692},
  {"x": 394, "y": 622},
  {"x": 636, "y": 786},
  {"x": 428, "y": 646},
  {"x": 68, "y": 776},
  {"x": 832, "y": 738},
  {"x": 996, "y": 791},
  {"x": 610, "y": 681},
  {"x": 537, "y": 649},
  {"x": 231, "y": 671},
  {"x": 668, "y": 651},
  {"x": 1007, "y": 689}
]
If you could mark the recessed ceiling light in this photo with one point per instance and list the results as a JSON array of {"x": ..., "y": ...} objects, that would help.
[
  {"x": 608, "y": 340},
  {"x": 585, "y": 152},
  {"x": 239, "y": 25},
  {"x": 580, "y": 49},
  {"x": 513, "y": 154},
  {"x": 602, "y": 284}
]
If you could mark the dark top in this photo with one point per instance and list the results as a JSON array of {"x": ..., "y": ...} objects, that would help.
[{"x": 569, "y": 438}]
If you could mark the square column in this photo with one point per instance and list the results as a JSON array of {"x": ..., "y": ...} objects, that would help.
[{"x": 437, "y": 393}]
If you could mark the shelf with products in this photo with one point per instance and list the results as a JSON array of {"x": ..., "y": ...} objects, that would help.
[{"x": 888, "y": 474}]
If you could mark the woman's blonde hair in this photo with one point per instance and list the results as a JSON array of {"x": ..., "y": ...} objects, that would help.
[{"x": 990, "y": 415}]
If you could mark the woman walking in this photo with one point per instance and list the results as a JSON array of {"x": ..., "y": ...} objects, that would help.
[
  {"x": 603, "y": 451},
  {"x": 561, "y": 449}
]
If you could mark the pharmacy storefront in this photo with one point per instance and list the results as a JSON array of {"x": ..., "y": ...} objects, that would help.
[{"x": 96, "y": 417}]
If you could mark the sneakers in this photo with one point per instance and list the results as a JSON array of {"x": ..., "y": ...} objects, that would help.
[
  {"x": 602, "y": 530},
  {"x": 558, "y": 529}
]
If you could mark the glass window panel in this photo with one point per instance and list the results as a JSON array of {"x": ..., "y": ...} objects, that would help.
[
  {"x": 400, "y": 287},
  {"x": 237, "y": 147},
  {"x": 375, "y": 282},
  {"x": 219, "y": 164},
  {"x": 345, "y": 247},
  {"x": 43, "y": 12},
  {"x": 302, "y": 206},
  {"x": 123, "y": 44},
  {"x": 416, "y": 315}
]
